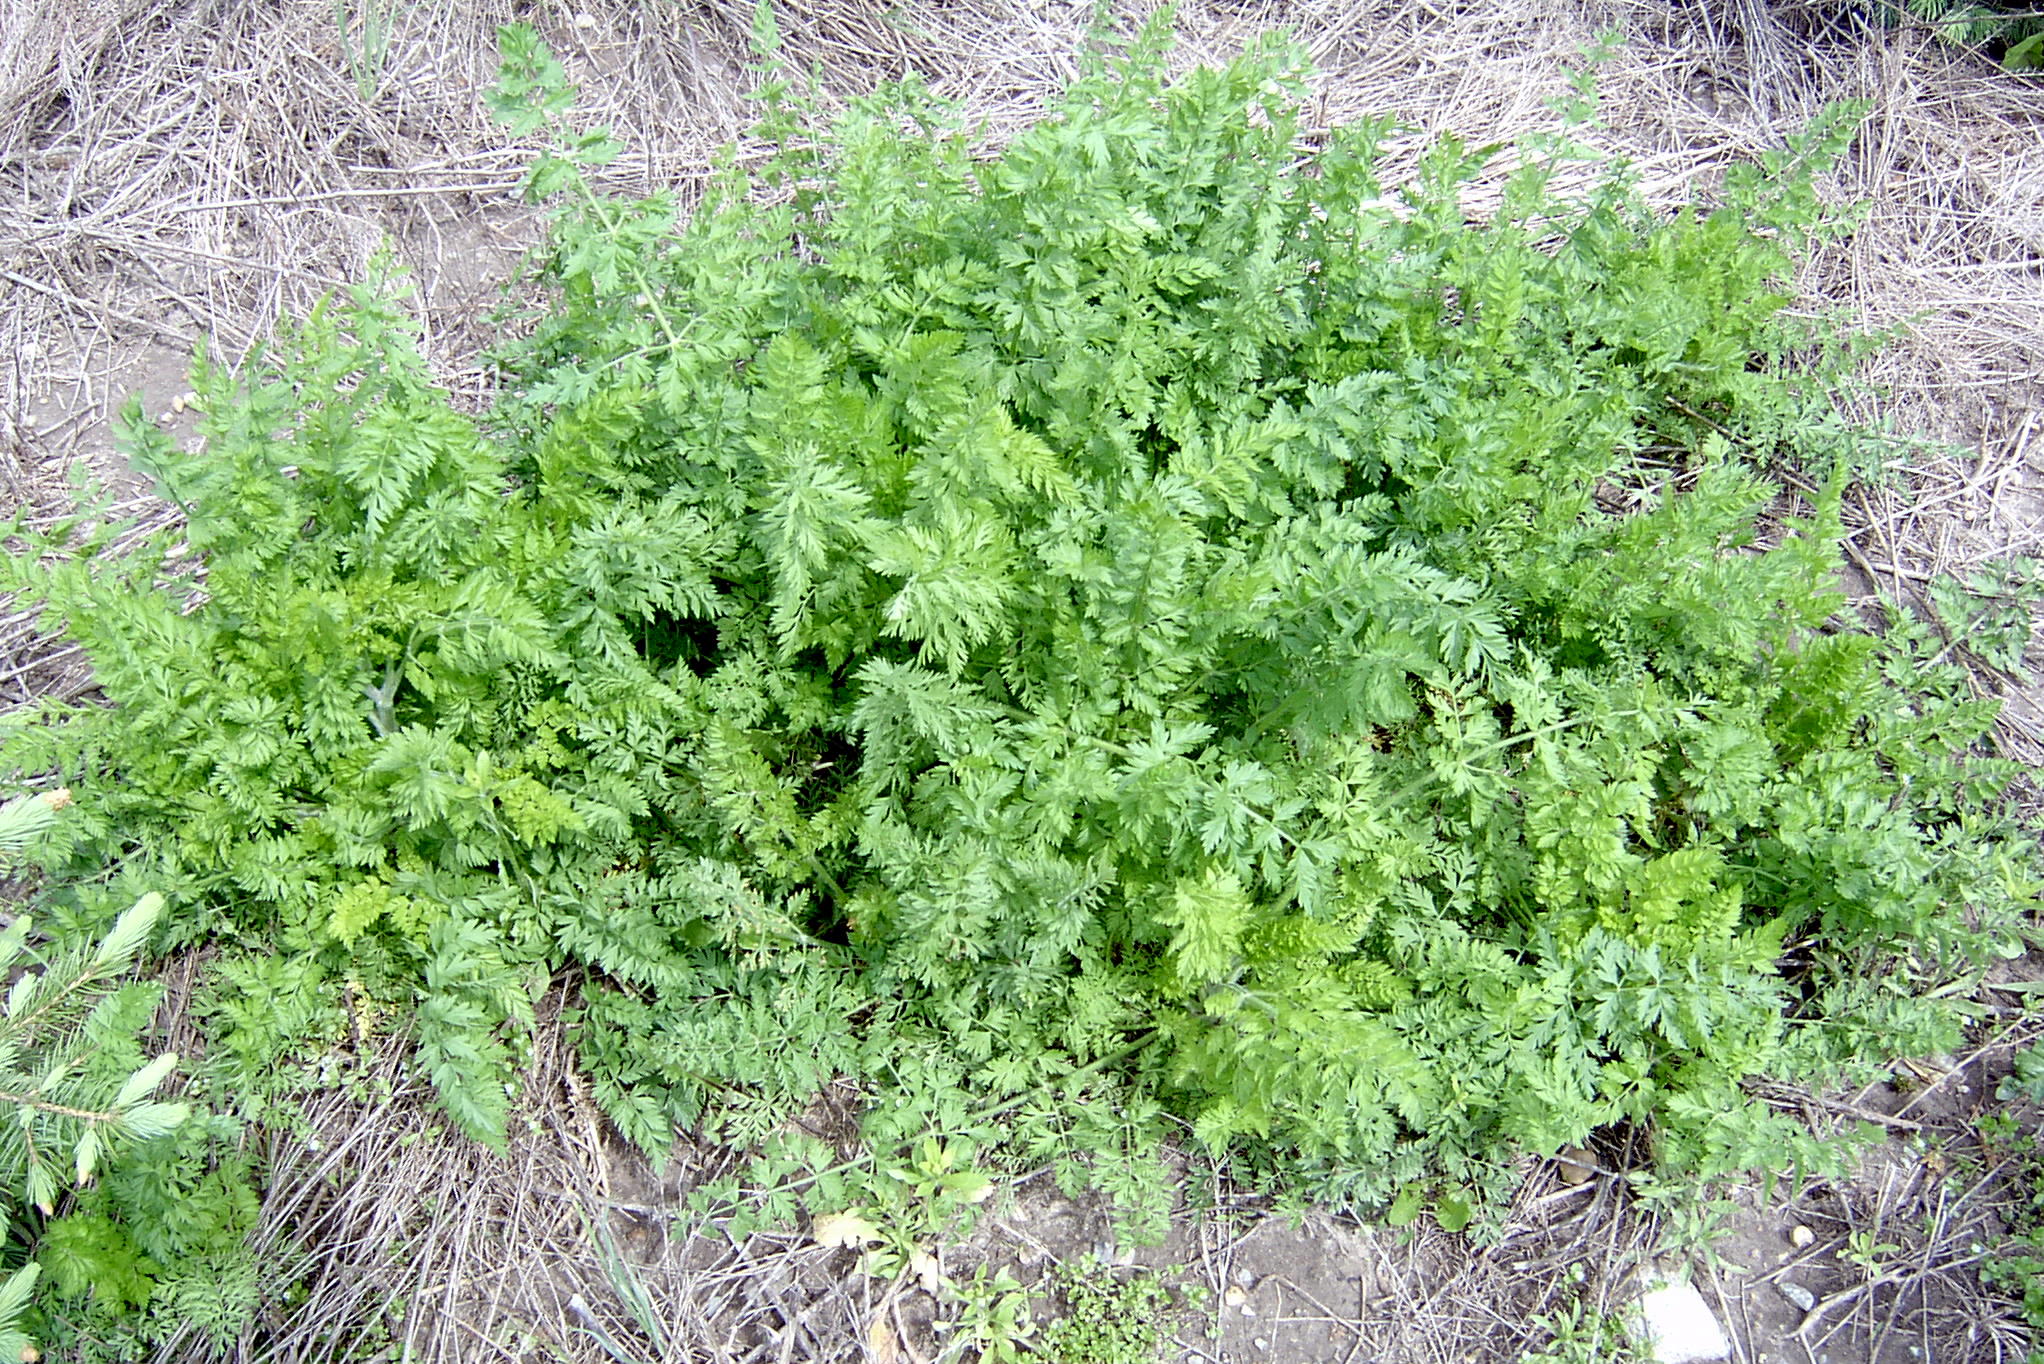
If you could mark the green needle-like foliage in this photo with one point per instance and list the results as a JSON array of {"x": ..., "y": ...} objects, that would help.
[
  {"x": 70, "y": 1097},
  {"x": 66, "y": 1106},
  {"x": 1159, "y": 618}
]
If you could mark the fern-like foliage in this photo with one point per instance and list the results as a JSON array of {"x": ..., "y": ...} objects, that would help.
[
  {"x": 72, "y": 1085},
  {"x": 1158, "y": 606},
  {"x": 2009, "y": 31}
]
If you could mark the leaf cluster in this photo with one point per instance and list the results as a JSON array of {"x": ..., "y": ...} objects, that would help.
[
  {"x": 1159, "y": 619},
  {"x": 2007, "y": 31},
  {"x": 1108, "y": 1317},
  {"x": 114, "y": 1200}
]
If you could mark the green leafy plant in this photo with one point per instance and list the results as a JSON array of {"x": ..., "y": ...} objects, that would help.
[
  {"x": 125, "y": 1203},
  {"x": 1990, "y": 613},
  {"x": 363, "y": 35},
  {"x": 2011, "y": 1146},
  {"x": 1581, "y": 1335},
  {"x": 1693, "y": 1216},
  {"x": 1109, "y": 1317},
  {"x": 1865, "y": 1251},
  {"x": 993, "y": 1321},
  {"x": 1155, "y": 621},
  {"x": 2025, "y": 1080},
  {"x": 908, "y": 1211},
  {"x": 70, "y": 1108},
  {"x": 632, "y": 1291},
  {"x": 2018, "y": 1265},
  {"x": 2009, "y": 29}
]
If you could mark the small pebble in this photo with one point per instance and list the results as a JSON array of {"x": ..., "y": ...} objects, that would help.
[
  {"x": 177, "y": 404},
  {"x": 585, "y": 21},
  {"x": 1574, "y": 1165},
  {"x": 1801, "y": 1237},
  {"x": 1236, "y": 1295},
  {"x": 1802, "y": 1297},
  {"x": 1262, "y": 1344}
]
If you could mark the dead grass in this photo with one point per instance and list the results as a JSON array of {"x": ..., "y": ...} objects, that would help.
[
  {"x": 171, "y": 169},
  {"x": 408, "y": 1241}
]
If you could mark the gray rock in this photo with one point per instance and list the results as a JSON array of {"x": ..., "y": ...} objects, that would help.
[{"x": 1678, "y": 1327}]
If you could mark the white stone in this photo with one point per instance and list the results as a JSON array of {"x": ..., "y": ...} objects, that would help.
[{"x": 1677, "y": 1326}]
